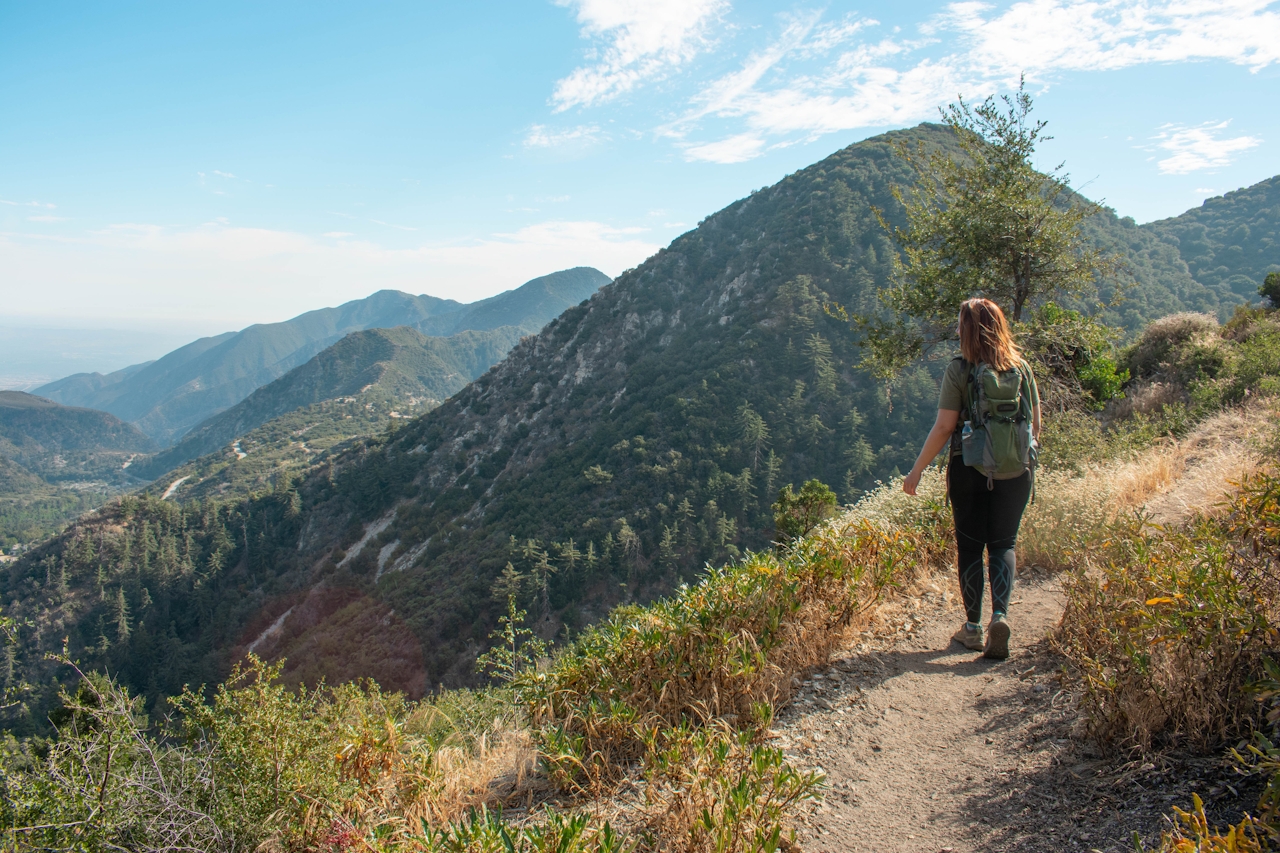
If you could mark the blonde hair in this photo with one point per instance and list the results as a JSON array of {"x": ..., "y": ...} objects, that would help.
[{"x": 985, "y": 335}]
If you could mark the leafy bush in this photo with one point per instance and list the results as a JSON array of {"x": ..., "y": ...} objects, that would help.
[
  {"x": 1193, "y": 834},
  {"x": 259, "y": 766},
  {"x": 794, "y": 515},
  {"x": 1164, "y": 342},
  {"x": 1270, "y": 289},
  {"x": 1073, "y": 358},
  {"x": 102, "y": 783},
  {"x": 718, "y": 792}
]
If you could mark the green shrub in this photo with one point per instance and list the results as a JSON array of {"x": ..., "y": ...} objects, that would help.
[
  {"x": 1161, "y": 347},
  {"x": 796, "y": 514},
  {"x": 101, "y": 782},
  {"x": 1073, "y": 358},
  {"x": 1270, "y": 289}
]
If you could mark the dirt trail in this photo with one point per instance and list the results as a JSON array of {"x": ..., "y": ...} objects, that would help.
[{"x": 930, "y": 748}]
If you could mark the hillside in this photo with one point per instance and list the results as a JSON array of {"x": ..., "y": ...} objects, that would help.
[
  {"x": 824, "y": 660},
  {"x": 1230, "y": 242},
  {"x": 396, "y": 369},
  {"x": 34, "y": 430},
  {"x": 57, "y": 462},
  {"x": 169, "y": 396}
]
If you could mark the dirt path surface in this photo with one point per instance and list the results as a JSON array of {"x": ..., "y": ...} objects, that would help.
[{"x": 930, "y": 748}]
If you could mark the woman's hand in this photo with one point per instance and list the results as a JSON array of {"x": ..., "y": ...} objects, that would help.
[{"x": 910, "y": 482}]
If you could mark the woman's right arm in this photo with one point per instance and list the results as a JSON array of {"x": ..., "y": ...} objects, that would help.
[{"x": 943, "y": 426}]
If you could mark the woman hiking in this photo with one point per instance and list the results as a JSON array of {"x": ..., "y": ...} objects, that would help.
[{"x": 987, "y": 492}]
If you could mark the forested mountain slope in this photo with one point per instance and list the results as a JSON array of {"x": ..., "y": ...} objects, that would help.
[
  {"x": 1230, "y": 242},
  {"x": 637, "y": 437},
  {"x": 169, "y": 396},
  {"x": 401, "y": 368},
  {"x": 58, "y": 461},
  {"x": 65, "y": 442}
]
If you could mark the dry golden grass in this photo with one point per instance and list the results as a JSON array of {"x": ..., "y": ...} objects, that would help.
[
  {"x": 724, "y": 649},
  {"x": 1170, "y": 482},
  {"x": 405, "y": 786}
]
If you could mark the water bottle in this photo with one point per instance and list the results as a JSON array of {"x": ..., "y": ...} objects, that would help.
[{"x": 970, "y": 448}]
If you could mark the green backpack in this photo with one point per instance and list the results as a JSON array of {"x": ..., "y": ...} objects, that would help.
[{"x": 997, "y": 438}]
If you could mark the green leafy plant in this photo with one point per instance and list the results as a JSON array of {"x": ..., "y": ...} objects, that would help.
[
  {"x": 795, "y": 514},
  {"x": 980, "y": 221},
  {"x": 1270, "y": 289},
  {"x": 1165, "y": 629}
]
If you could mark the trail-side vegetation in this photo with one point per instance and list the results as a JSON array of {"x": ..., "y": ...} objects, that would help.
[
  {"x": 1171, "y": 628},
  {"x": 647, "y": 731}
]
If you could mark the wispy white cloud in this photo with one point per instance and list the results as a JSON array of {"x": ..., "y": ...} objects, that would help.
[
  {"x": 44, "y": 204},
  {"x": 1192, "y": 149},
  {"x": 634, "y": 41},
  {"x": 735, "y": 149},
  {"x": 338, "y": 235},
  {"x": 1097, "y": 35},
  {"x": 819, "y": 77},
  {"x": 580, "y": 137},
  {"x": 223, "y": 174},
  {"x": 247, "y": 275},
  {"x": 393, "y": 225}
]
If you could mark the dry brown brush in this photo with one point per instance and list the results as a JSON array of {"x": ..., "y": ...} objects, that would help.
[{"x": 1167, "y": 627}]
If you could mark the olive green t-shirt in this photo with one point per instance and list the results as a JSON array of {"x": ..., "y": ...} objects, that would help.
[{"x": 952, "y": 396}]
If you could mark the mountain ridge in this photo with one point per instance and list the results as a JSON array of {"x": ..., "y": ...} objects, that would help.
[
  {"x": 172, "y": 394},
  {"x": 402, "y": 367}
]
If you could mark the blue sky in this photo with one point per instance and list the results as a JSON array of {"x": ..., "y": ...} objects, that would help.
[{"x": 199, "y": 167}]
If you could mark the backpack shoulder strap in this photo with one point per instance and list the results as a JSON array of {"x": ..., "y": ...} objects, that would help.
[
  {"x": 971, "y": 388},
  {"x": 1024, "y": 372},
  {"x": 966, "y": 369}
]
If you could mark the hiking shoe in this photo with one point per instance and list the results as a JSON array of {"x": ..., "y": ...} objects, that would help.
[
  {"x": 997, "y": 646},
  {"x": 969, "y": 636}
]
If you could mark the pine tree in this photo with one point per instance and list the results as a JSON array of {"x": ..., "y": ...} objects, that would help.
[
  {"x": 755, "y": 433},
  {"x": 508, "y": 584},
  {"x": 121, "y": 619},
  {"x": 824, "y": 371}
]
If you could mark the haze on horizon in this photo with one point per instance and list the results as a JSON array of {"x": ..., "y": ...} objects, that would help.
[{"x": 177, "y": 167}]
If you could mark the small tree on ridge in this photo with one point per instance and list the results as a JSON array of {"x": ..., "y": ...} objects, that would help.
[{"x": 985, "y": 223}]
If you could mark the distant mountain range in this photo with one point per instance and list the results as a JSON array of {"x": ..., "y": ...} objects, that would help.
[
  {"x": 370, "y": 374},
  {"x": 167, "y": 397},
  {"x": 1230, "y": 242}
]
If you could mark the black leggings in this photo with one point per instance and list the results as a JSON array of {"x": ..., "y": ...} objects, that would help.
[{"x": 986, "y": 519}]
